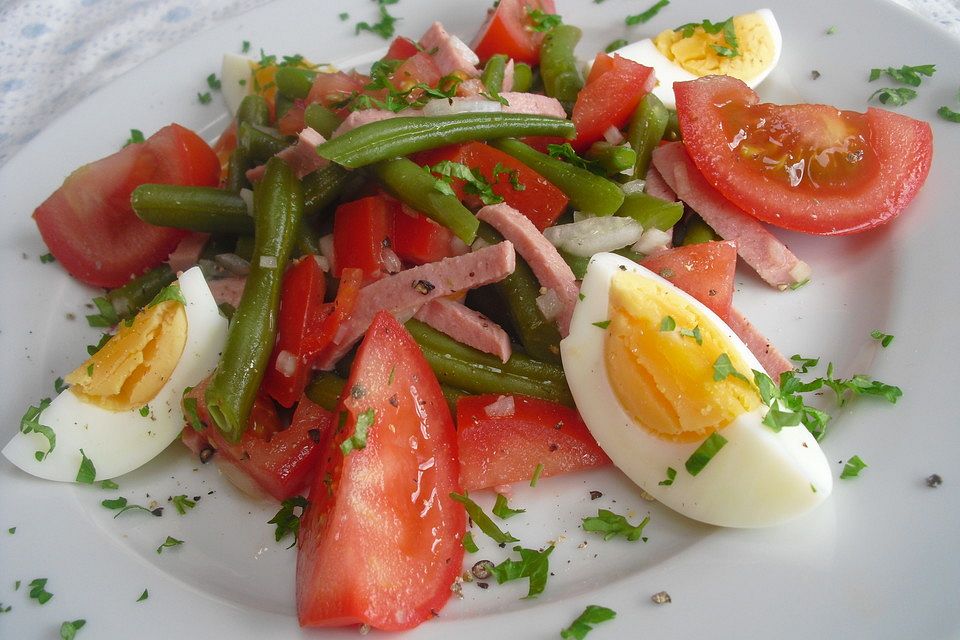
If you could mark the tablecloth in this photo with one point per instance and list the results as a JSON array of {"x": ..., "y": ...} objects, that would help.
[{"x": 55, "y": 52}]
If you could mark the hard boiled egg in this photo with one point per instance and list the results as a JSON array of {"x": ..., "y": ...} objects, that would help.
[
  {"x": 123, "y": 406},
  {"x": 236, "y": 79},
  {"x": 667, "y": 390},
  {"x": 687, "y": 54}
]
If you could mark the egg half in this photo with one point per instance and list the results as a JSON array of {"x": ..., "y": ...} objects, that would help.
[
  {"x": 123, "y": 405},
  {"x": 663, "y": 384},
  {"x": 676, "y": 57}
]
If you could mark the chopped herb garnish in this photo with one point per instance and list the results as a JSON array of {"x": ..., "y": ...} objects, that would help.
[
  {"x": 804, "y": 364},
  {"x": 619, "y": 43},
  {"x": 213, "y": 82},
  {"x": 344, "y": 16},
  {"x": 287, "y": 518},
  {"x": 474, "y": 182},
  {"x": 245, "y": 47},
  {"x": 468, "y": 543},
  {"x": 38, "y": 590},
  {"x": 93, "y": 349},
  {"x": 59, "y": 386},
  {"x": 483, "y": 521},
  {"x": 723, "y": 367},
  {"x": 47, "y": 258},
  {"x": 671, "y": 476},
  {"x": 949, "y": 114},
  {"x": 204, "y": 98},
  {"x": 182, "y": 503},
  {"x": 694, "y": 333},
  {"x": 502, "y": 510},
  {"x": 611, "y": 525},
  {"x": 145, "y": 410},
  {"x": 533, "y": 564},
  {"x": 170, "y": 292},
  {"x": 68, "y": 630},
  {"x": 115, "y": 503},
  {"x": 905, "y": 74},
  {"x": 860, "y": 385},
  {"x": 704, "y": 453},
  {"x": 136, "y": 137},
  {"x": 894, "y": 96},
  {"x": 668, "y": 323},
  {"x": 884, "y": 338},
  {"x": 191, "y": 410},
  {"x": 853, "y": 468},
  {"x": 566, "y": 153},
  {"x": 121, "y": 504},
  {"x": 385, "y": 28},
  {"x": 30, "y": 423},
  {"x": 109, "y": 485},
  {"x": 647, "y": 15},
  {"x": 732, "y": 48},
  {"x": 581, "y": 297},
  {"x": 831, "y": 30},
  {"x": 535, "y": 478},
  {"x": 12, "y": 530},
  {"x": 168, "y": 543},
  {"x": 540, "y": 21},
  {"x": 592, "y": 615},
  {"x": 5, "y": 609},
  {"x": 143, "y": 596},
  {"x": 602, "y": 325},
  {"x": 87, "y": 473},
  {"x": 359, "y": 438},
  {"x": 90, "y": 370}
]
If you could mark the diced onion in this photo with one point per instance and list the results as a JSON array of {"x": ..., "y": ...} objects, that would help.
[
  {"x": 390, "y": 261},
  {"x": 464, "y": 52},
  {"x": 233, "y": 263},
  {"x": 478, "y": 244},
  {"x": 632, "y": 187},
  {"x": 653, "y": 241},
  {"x": 613, "y": 135},
  {"x": 268, "y": 262},
  {"x": 323, "y": 263},
  {"x": 458, "y": 247},
  {"x": 549, "y": 304},
  {"x": 325, "y": 246},
  {"x": 594, "y": 235},
  {"x": 286, "y": 363},
  {"x": 247, "y": 196},
  {"x": 502, "y": 407},
  {"x": 452, "y": 106}
]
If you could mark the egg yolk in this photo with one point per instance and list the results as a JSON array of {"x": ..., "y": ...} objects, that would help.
[
  {"x": 133, "y": 365},
  {"x": 664, "y": 377},
  {"x": 698, "y": 56}
]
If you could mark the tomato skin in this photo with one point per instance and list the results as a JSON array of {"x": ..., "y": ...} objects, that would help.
[
  {"x": 417, "y": 239},
  {"x": 609, "y": 98},
  {"x": 333, "y": 315},
  {"x": 88, "y": 223},
  {"x": 330, "y": 89},
  {"x": 502, "y": 450},
  {"x": 374, "y": 547},
  {"x": 507, "y": 31},
  {"x": 414, "y": 70},
  {"x": 361, "y": 230},
  {"x": 902, "y": 146},
  {"x": 401, "y": 48},
  {"x": 704, "y": 270}
]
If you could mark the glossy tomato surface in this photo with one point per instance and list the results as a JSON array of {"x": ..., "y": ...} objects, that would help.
[
  {"x": 704, "y": 270},
  {"x": 509, "y": 30},
  {"x": 380, "y": 541},
  {"x": 613, "y": 91},
  {"x": 806, "y": 167}
]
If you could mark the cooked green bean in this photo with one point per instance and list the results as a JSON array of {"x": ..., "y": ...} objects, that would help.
[
  {"x": 577, "y": 264},
  {"x": 395, "y": 137},
  {"x": 133, "y": 296},
  {"x": 587, "y": 191},
  {"x": 613, "y": 159},
  {"x": 325, "y": 389},
  {"x": 244, "y": 247},
  {"x": 673, "y": 127},
  {"x": 322, "y": 187},
  {"x": 237, "y": 172},
  {"x": 320, "y": 119},
  {"x": 205, "y": 209},
  {"x": 253, "y": 110},
  {"x": 278, "y": 207},
  {"x": 407, "y": 181},
  {"x": 558, "y": 65},
  {"x": 522, "y": 77},
  {"x": 294, "y": 82},
  {"x": 282, "y": 104},
  {"x": 451, "y": 395},
  {"x": 651, "y": 212},
  {"x": 520, "y": 291},
  {"x": 698, "y": 231},
  {"x": 492, "y": 77},
  {"x": 258, "y": 144},
  {"x": 647, "y": 125}
]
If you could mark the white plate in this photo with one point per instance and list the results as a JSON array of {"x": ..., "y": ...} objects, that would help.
[{"x": 877, "y": 561}]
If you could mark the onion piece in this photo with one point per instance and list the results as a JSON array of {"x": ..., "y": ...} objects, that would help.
[
  {"x": 286, "y": 363},
  {"x": 653, "y": 241},
  {"x": 323, "y": 263},
  {"x": 452, "y": 106},
  {"x": 613, "y": 135},
  {"x": 632, "y": 187},
  {"x": 233, "y": 263},
  {"x": 549, "y": 305},
  {"x": 390, "y": 261},
  {"x": 502, "y": 407},
  {"x": 247, "y": 196},
  {"x": 325, "y": 246},
  {"x": 594, "y": 235}
]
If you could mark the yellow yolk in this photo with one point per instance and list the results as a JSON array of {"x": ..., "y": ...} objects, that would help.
[
  {"x": 697, "y": 55},
  {"x": 132, "y": 367},
  {"x": 663, "y": 378}
]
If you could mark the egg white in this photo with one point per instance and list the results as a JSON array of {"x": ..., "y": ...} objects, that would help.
[
  {"x": 667, "y": 71},
  {"x": 234, "y": 69},
  {"x": 759, "y": 478},
  {"x": 118, "y": 442}
]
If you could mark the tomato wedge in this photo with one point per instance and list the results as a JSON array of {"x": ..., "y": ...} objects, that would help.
[
  {"x": 805, "y": 167},
  {"x": 612, "y": 93},
  {"x": 509, "y": 30},
  {"x": 380, "y": 542},
  {"x": 704, "y": 270},
  {"x": 88, "y": 223},
  {"x": 361, "y": 230},
  {"x": 502, "y": 449}
]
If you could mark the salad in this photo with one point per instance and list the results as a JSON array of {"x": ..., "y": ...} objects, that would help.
[{"x": 441, "y": 173}]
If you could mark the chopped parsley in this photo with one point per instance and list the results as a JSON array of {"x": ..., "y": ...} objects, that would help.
[
  {"x": 894, "y": 96},
  {"x": 727, "y": 28},
  {"x": 704, "y": 453},
  {"x": 109, "y": 485},
  {"x": 68, "y": 630},
  {"x": 87, "y": 473},
  {"x": 566, "y": 153},
  {"x": 804, "y": 364},
  {"x": 671, "y": 476},
  {"x": 145, "y": 410},
  {"x": 5, "y": 609},
  {"x": 143, "y": 596},
  {"x": 191, "y": 410},
  {"x": 136, "y": 137},
  {"x": 853, "y": 468},
  {"x": 213, "y": 82},
  {"x": 602, "y": 324},
  {"x": 358, "y": 440},
  {"x": 723, "y": 368},
  {"x": 513, "y": 176},
  {"x": 38, "y": 590},
  {"x": 385, "y": 28},
  {"x": 533, "y": 564},
  {"x": 344, "y": 16},
  {"x": 59, "y": 386},
  {"x": 611, "y": 525},
  {"x": 468, "y": 544},
  {"x": 668, "y": 323},
  {"x": 93, "y": 349},
  {"x": 168, "y": 543},
  {"x": 204, "y": 98},
  {"x": 535, "y": 478},
  {"x": 502, "y": 510},
  {"x": 905, "y": 74},
  {"x": 30, "y": 423},
  {"x": 245, "y": 47},
  {"x": 694, "y": 333},
  {"x": 474, "y": 182},
  {"x": 830, "y": 31},
  {"x": 107, "y": 315},
  {"x": 12, "y": 530},
  {"x": 884, "y": 338},
  {"x": 619, "y": 43},
  {"x": 483, "y": 521},
  {"x": 120, "y": 504},
  {"x": 540, "y": 21},
  {"x": 858, "y": 385},
  {"x": 47, "y": 258},
  {"x": 949, "y": 114},
  {"x": 647, "y": 15},
  {"x": 288, "y": 517},
  {"x": 182, "y": 503},
  {"x": 592, "y": 615}
]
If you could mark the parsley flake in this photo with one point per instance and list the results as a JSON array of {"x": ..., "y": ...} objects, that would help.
[
  {"x": 884, "y": 338},
  {"x": 385, "y": 28},
  {"x": 47, "y": 258},
  {"x": 288, "y": 517},
  {"x": 704, "y": 453},
  {"x": 38, "y": 590},
  {"x": 182, "y": 503},
  {"x": 107, "y": 315},
  {"x": 566, "y": 153},
  {"x": 619, "y": 43},
  {"x": 541, "y": 22},
  {"x": 602, "y": 325},
  {"x": 93, "y": 349},
  {"x": 804, "y": 364},
  {"x": 671, "y": 476},
  {"x": 468, "y": 543},
  {"x": 204, "y": 98},
  {"x": 30, "y": 423},
  {"x": 168, "y": 543},
  {"x": 482, "y": 520},
  {"x": 694, "y": 333},
  {"x": 143, "y": 596},
  {"x": 502, "y": 510},
  {"x": 723, "y": 368},
  {"x": 213, "y": 82},
  {"x": 611, "y": 525},
  {"x": 949, "y": 114},
  {"x": 591, "y": 616},
  {"x": 905, "y": 74},
  {"x": 533, "y": 564},
  {"x": 853, "y": 468},
  {"x": 68, "y": 630},
  {"x": 668, "y": 323},
  {"x": 87, "y": 473},
  {"x": 894, "y": 96},
  {"x": 109, "y": 485},
  {"x": 474, "y": 182},
  {"x": 535, "y": 478},
  {"x": 344, "y": 16},
  {"x": 59, "y": 386},
  {"x": 358, "y": 440},
  {"x": 136, "y": 137},
  {"x": 647, "y": 15},
  {"x": 245, "y": 47},
  {"x": 727, "y": 27},
  {"x": 12, "y": 530}
]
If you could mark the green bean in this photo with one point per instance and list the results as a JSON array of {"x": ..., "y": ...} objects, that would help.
[
  {"x": 613, "y": 159},
  {"x": 395, "y": 137},
  {"x": 244, "y": 247},
  {"x": 282, "y": 104},
  {"x": 258, "y": 144},
  {"x": 698, "y": 231},
  {"x": 278, "y": 206},
  {"x": 408, "y": 182},
  {"x": 522, "y": 77},
  {"x": 587, "y": 192},
  {"x": 133, "y": 296},
  {"x": 322, "y": 187},
  {"x": 294, "y": 82},
  {"x": 205, "y": 209},
  {"x": 558, "y": 65},
  {"x": 492, "y": 77},
  {"x": 577, "y": 264},
  {"x": 237, "y": 172},
  {"x": 651, "y": 212},
  {"x": 451, "y": 395},
  {"x": 630, "y": 254},
  {"x": 253, "y": 110},
  {"x": 320, "y": 119},
  {"x": 647, "y": 125},
  {"x": 673, "y": 127},
  {"x": 520, "y": 291},
  {"x": 325, "y": 390}
]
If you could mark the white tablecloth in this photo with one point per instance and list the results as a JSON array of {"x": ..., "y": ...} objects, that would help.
[{"x": 55, "y": 52}]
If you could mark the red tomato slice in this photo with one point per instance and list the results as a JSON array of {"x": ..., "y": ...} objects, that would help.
[
  {"x": 88, "y": 223},
  {"x": 361, "y": 230},
  {"x": 294, "y": 120},
  {"x": 319, "y": 337},
  {"x": 380, "y": 542},
  {"x": 508, "y": 31},
  {"x": 609, "y": 98},
  {"x": 301, "y": 306},
  {"x": 704, "y": 270},
  {"x": 806, "y": 167},
  {"x": 498, "y": 449},
  {"x": 333, "y": 89},
  {"x": 416, "y": 69},
  {"x": 401, "y": 48},
  {"x": 417, "y": 239}
]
